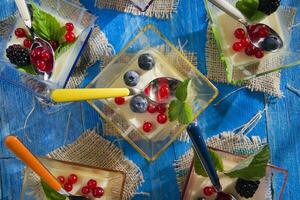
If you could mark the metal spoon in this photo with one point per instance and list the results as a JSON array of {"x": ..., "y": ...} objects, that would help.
[
  {"x": 202, "y": 152},
  {"x": 272, "y": 42},
  {"x": 37, "y": 41},
  {"x": 22, "y": 152},
  {"x": 150, "y": 92}
]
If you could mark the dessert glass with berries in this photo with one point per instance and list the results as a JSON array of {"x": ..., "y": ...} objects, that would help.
[
  {"x": 242, "y": 60},
  {"x": 146, "y": 124},
  {"x": 269, "y": 187},
  {"x": 66, "y": 35},
  {"x": 77, "y": 179}
]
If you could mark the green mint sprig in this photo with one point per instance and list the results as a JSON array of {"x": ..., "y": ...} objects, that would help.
[
  {"x": 250, "y": 9},
  {"x": 216, "y": 159},
  {"x": 179, "y": 109},
  {"x": 63, "y": 47},
  {"x": 50, "y": 193}
]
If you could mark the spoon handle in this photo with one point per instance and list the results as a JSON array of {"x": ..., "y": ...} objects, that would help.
[
  {"x": 24, "y": 12},
  {"x": 203, "y": 154},
  {"x": 67, "y": 95},
  {"x": 230, "y": 10}
]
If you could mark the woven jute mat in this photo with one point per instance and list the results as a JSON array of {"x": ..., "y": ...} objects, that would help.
[
  {"x": 162, "y": 9},
  {"x": 93, "y": 150}
]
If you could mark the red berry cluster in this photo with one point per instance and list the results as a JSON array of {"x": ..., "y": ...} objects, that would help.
[
  {"x": 161, "y": 118},
  {"x": 68, "y": 184},
  {"x": 21, "y": 33},
  {"x": 70, "y": 36},
  {"x": 209, "y": 190},
  {"x": 42, "y": 58},
  {"x": 91, "y": 187},
  {"x": 244, "y": 43}
]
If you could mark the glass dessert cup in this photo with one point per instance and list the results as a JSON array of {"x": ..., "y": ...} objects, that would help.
[
  {"x": 63, "y": 11},
  {"x": 111, "y": 181},
  {"x": 169, "y": 62},
  {"x": 194, "y": 183},
  {"x": 241, "y": 67},
  {"x": 142, "y": 5}
]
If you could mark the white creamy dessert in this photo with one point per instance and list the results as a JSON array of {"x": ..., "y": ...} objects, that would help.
[
  {"x": 196, "y": 184},
  {"x": 161, "y": 69},
  {"x": 227, "y": 25},
  {"x": 64, "y": 63}
]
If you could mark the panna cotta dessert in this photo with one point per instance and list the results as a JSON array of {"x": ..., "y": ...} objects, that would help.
[
  {"x": 77, "y": 179},
  {"x": 150, "y": 118},
  {"x": 60, "y": 33}
]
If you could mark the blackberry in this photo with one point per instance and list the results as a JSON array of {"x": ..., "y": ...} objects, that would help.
[
  {"x": 18, "y": 55},
  {"x": 268, "y": 6},
  {"x": 246, "y": 188}
]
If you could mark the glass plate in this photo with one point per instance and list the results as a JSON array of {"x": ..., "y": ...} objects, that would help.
[
  {"x": 266, "y": 190},
  {"x": 169, "y": 62},
  {"x": 238, "y": 67},
  {"x": 111, "y": 181}
]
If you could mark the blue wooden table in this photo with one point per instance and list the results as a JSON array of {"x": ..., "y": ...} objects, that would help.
[{"x": 48, "y": 128}]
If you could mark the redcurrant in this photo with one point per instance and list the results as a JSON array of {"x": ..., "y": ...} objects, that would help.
[
  {"x": 61, "y": 179},
  {"x": 151, "y": 108},
  {"x": 163, "y": 92},
  {"x": 245, "y": 42},
  {"x": 69, "y": 26},
  {"x": 237, "y": 46},
  {"x": 54, "y": 44},
  {"x": 41, "y": 65},
  {"x": 147, "y": 127},
  {"x": 208, "y": 191},
  {"x": 70, "y": 36},
  {"x": 45, "y": 55},
  {"x": 161, "y": 108},
  {"x": 85, "y": 190},
  {"x": 20, "y": 32},
  {"x": 239, "y": 33},
  {"x": 119, "y": 100},
  {"x": 72, "y": 179},
  {"x": 162, "y": 118},
  {"x": 98, "y": 192},
  {"x": 27, "y": 43},
  {"x": 258, "y": 53},
  {"x": 263, "y": 32},
  {"x": 92, "y": 183},
  {"x": 68, "y": 187}
]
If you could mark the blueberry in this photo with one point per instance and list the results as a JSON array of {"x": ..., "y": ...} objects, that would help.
[
  {"x": 138, "y": 104},
  {"x": 271, "y": 43},
  {"x": 131, "y": 78},
  {"x": 146, "y": 61}
]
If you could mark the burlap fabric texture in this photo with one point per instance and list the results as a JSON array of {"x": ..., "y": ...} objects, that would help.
[
  {"x": 162, "y": 9},
  {"x": 93, "y": 150}
]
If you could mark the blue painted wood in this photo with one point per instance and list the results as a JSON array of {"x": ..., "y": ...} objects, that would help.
[{"x": 50, "y": 127}]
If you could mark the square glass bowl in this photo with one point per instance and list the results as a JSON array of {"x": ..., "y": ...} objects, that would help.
[
  {"x": 65, "y": 12},
  {"x": 266, "y": 190},
  {"x": 111, "y": 181},
  {"x": 239, "y": 67},
  {"x": 169, "y": 63},
  {"x": 142, "y": 5}
]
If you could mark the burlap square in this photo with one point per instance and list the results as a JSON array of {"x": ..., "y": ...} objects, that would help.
[
  {"x": 162, "y": 9},
  {"x": 216, "y": 71},
  {"x": 93, "y": 150}
]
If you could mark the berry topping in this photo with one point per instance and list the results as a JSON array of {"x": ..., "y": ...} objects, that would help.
[
  {"x": 249, "y": 51},
  {"x": 138, "y": 104},
  {"x": 18, "y": 55},
  {"x": 239, "y": 33},
  {"x": 163, "y": 92},
  {"x": 45, "y": 55},
  {"x": 237, "y": 46},
  {"x": 54, "y": 44},
  {"x": 92, "y": 183},
  {"x": 61, "y": 179},
  {"x": 41, "y": 65},
  {"x": 85, "y": 190},
  {"x": 68, "y": 187},
  {"x": 271, "y": 43},
  {"x": 20, "y": 32},
  {"x": 119, "y": 100},
  {"x": 268, "y": 6},
  {"x": 146, "y": 61},
  {"x": 263, "y": 31},
  {"x": 246, "y": 188},
  {"x": 27, "y": 43},
  {"x": 162, "y": 118},
  {"x": 151, "y": 108},
  {"x": 36, "y": 54},
  {"x": 147, "y": 127},
  {"x": 245, "y": 42},
  {"x": 208, "y": 191},
  {"x": 258, "y": 53},
  {"x": 98, "y": 192},
  {"x": 223, "y": 196},
  {"x": 72, "y": 179},
  {"x": 131, "y": 78},
  {"x": 69, "y": 26},
  {"x": 70, "y": 36},
  {"x": 161, "y": 108}
]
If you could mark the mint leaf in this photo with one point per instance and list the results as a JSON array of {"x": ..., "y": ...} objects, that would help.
[
  {"x": 62, "y": 48},
  {"x": 186, "y": 114},
  {"x": 28, "y": 69},
  {"x": 45, "y": 25},
  {"x": 174, "y": 110},
  {"x": 181, "y": 90},
  {"x": 252, "y": 168},
  {"x": 216, "y": 159},
  {"x": 50, "y": 193}
]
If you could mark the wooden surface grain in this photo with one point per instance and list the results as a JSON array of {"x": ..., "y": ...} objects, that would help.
[{"x": 48, "y": 128}]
